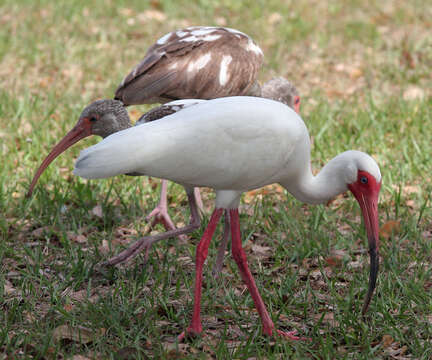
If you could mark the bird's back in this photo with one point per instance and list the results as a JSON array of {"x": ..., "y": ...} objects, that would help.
[
  {"x": 235, "y": 143},
  {"x": 196, "y": 62}
]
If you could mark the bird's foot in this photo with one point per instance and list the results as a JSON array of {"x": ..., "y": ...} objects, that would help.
[
  {"x": 189, "y": 333},
  {"x": 160, "y": 216},
  {"x": 291, "y": 335},
  {"x": 143, "y": 244}
]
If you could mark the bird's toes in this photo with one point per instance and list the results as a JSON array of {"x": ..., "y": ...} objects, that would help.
[{"x": 291, "y": 335}]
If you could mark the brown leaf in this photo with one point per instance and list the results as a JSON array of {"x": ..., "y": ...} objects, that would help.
[
  {"x": 259, "y": 250},
  {"x": 80, "y": 357},
  {"x": 39, "y": 232},
  {"x": 327, "y": 319},
  {"x": 68, "y": 307},
  {"x": 413, "y": 93},
  {"x": 335, "y": 258},
  {"x": 151, "y": 15},
  {"x": 389, "y": 228},
  {"x": 408, "y": 59},
  {"x": 355, "y": 73},
  {"x": 8, "y": 288},
  {"x": 221, "y": 21},
  {"x": 97, "y": 211},
  {"x": 79, "y": 238},
  {"x": 78, "y": 334},
  {"x": 387, "y": 341},
  {"x": 275, "y": 18}
]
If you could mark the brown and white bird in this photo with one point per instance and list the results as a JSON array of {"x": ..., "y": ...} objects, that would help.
[
  {"x": 201, "y": 63},
  {"x": 196, "y": 62}
]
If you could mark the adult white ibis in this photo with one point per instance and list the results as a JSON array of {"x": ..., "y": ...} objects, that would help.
[
  {"x": 196, "y": 62},
  {"x": 233, "y": 145}
]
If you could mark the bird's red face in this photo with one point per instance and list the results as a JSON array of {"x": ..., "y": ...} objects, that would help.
[
  {"x": 297, "y": 104},
  {"x": 82, "y": 129},
  {"x": 366, "y": 190}
]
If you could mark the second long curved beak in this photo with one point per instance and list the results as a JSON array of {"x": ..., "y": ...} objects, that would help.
[{"x": 81, "y": 130}]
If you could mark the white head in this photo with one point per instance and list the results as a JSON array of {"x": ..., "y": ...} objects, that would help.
[{"x": 363, "y": 178}]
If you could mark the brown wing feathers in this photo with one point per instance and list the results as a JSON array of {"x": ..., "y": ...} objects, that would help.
[{"x": 199, "y": 62}]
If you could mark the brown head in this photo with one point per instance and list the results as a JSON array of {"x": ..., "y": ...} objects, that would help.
[
  {"x": 102, "y": 117},
  {"x": 280, "y": 89}
]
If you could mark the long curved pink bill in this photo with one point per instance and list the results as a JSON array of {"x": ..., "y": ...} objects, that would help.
[{"x": 81, "y": 130}]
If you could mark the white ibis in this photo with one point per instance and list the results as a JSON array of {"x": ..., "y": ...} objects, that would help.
[
  {"x": 196, "y": 62},
  {"x": 232, "y": 145}
]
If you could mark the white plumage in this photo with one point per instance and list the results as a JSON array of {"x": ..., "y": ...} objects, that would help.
[
  {"x": 233, "y": 145},
  {"x": 210, "y": 144}
]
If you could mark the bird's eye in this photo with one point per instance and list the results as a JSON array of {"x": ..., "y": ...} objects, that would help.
[
  {"x": 93, "y": 118},
  {"x": 364, "y": 180},
  {"x": 296, "y": 100}
]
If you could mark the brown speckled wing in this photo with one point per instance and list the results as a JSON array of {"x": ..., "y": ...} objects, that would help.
[
  {"x": 197, "y": 62},
  {"x": 166, "y": 109},
  {"x": 158, "y": 113}
]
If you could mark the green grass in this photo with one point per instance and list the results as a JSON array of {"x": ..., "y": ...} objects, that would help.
[{"x": 355, "y": 66}]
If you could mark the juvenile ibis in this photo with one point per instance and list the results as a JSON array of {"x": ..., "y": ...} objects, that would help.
[
  {"x": 196, "y": 62},
  {"x": 215, "y": 144}
]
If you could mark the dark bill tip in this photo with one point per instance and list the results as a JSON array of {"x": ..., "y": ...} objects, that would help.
[{"x": 374, "y": 265}]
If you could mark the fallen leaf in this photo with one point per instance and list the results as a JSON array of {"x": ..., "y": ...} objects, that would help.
[
  {"x": 336, "y": 257},
  {"x": 389, "y": 228},
  {"x": 8, "y": 288},
  {"x": 79, "y": 357},
  {"x": 408, "y": 59},
  {"x": 221, "y": 21},
  {"x": 327, "y": 319},
  {"x": 126, "y": 11},
  {"x": 413, "y": 93},
  {"x": 78, "y": 334},
  {"x": 39, "y": 232},
  {"x": 97, "y": 211},
  {"x": 68, "y": 307},
  {"x": 387, "y": 341},
  {"x": 79, "y": 238},
  {"x": 151, "y": 15},
  {"x": 355, "y": 73},
  {"x": 259, "y": 250},
  {"x": 275, "y": 18}
]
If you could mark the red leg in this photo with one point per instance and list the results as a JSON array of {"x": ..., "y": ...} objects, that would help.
[
  {"x": 240, "y": 258},
  {"x": 201, "y": 254},
  {"x": 222, "y": 247}
]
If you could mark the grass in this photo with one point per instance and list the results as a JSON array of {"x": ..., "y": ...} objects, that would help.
[{"x": 364, "y": 74}]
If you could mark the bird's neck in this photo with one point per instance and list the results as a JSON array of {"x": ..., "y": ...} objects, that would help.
[
  {"x": 115, "y": 123},
  {"x": 254, "y": 90},
  {"x": 319, "y": 189}
]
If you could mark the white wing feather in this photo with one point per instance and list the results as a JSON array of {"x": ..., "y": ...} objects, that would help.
[{"x": 235, "y": 143}]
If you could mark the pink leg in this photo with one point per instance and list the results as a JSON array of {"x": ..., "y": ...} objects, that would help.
[
  {"x": 240, "y": 258},
  {"x": 198, "y": 199},
  {"x": 160, "y": 212},
  {"x": 222, "y": 247},
  {"x": 147, "y": 241},
  {"x": 195, "y": 327}
]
